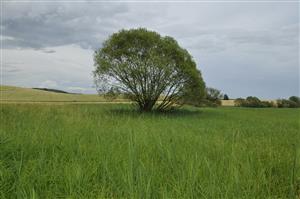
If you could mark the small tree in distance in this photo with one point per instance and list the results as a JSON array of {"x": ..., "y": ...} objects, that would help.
[
  {"x": 253, "y": 102},
  {"x": 292, "y": 102},
  {"x": 212, "y": 98},
  {"x": 296, "y": 100},
  {"x": 146, "y": 66},
  {"x": 226, "y": 97},
  {"x": 112, "y": 94}
]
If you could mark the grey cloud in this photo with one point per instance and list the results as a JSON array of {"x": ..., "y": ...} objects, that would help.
[
  {"x": 10, "y": 70},
  {"x": 38, "y": 26},
  {"x": 20, "y": 43},
  {"x": 283, "y": 36},
  {"x": 216, "y": 40},
  {"x": 241, "y": 48},
  {"x": 49, "y": 51},
  {"x": 11, "y": 67},
  {"x": 48, "y": 84}
]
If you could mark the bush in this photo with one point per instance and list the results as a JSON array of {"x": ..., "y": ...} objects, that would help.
[
  {"x": 209, "y": 103},
  {"x": 239, "y": 102},
  {"x": 226, "y": 97},
  {"x": 292, "y": 102},
  {"x": 112, "y": 94},
  {"x": 266, "y": 104},
  {"x": 213, "y": 98},
  {"x": 253, "y": 102},
  {"x": 296, "y": 100},
  {"x": 284, "y": 103}
]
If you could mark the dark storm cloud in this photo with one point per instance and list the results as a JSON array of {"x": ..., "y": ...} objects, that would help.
[
  {"x": 55, "y": 24},
  {"x": 40, "y": 25}
]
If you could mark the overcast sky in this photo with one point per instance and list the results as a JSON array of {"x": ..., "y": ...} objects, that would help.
[{"x": 241, "y": 48}]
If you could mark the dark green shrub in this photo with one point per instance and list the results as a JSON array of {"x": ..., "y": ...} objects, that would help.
[
  {"x": 296, "y": 100},
  {"x": 239, "y": 102},
  {"x": 226, "y": 97},
  {"x": 112, "y": 94},
  {"x": 284, "y": 103},
  {"x": 209, "y": 103},
  {"x": 253, "y": 102},
  {"x": 213, "y": 98},
  {"x": 267, "y": 104}
]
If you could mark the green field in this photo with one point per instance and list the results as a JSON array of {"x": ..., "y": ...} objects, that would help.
[{"x": 111, "y": 151}]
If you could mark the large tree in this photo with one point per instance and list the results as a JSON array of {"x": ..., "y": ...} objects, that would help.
[{"x": 147, "y": 67}]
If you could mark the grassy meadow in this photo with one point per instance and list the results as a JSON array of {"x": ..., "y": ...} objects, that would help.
[{"x": 111, "y": 151}]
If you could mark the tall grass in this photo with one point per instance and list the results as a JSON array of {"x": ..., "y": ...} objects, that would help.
[{"x": 110, "y": 151}]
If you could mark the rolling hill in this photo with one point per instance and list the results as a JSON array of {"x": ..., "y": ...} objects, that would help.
[
  {"x": 13, "y": 94},
  {"x": 18, "y": 94}
]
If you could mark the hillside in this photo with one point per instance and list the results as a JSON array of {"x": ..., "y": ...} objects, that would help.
[
  {"x": 12, "y": 93},
  {"x": 18, "y": 94},
  {"x": 52, "y": 90}
]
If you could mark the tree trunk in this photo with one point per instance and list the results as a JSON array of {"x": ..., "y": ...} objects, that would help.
[{"x": 147, "y": 106}]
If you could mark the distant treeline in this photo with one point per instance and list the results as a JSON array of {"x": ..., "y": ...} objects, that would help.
[
  {"x": 54, "y": 90},
  {"x": 292, "y": 102}
]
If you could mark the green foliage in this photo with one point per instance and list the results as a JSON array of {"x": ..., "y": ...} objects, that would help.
[
  {"x": 284, "y": 103},
  {"x": 253, "y": 102},
  {"x": 226, "y": 97},
  {"x": 292, "y": 102},
  {"x": 267, "y": 104},
  {"x": 212, "y": 98},
  {"x": 239, "y": 102},
  {"x": 213, "y": 94},
  {"x": 296, "y": 100},
  {"x": 111, "y": 151},
  {"x": 112, "y": 94},
  {"x": 147, "y": 66}
]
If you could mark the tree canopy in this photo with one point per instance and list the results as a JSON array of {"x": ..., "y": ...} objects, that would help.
[
  {"x": 212, "y": 97},
  {"x": 148, "y": 67},
  {"x": 226, "y": 97}
]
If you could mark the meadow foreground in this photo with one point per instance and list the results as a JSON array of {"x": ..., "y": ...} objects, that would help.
[{"x": 110, "y": 151}]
